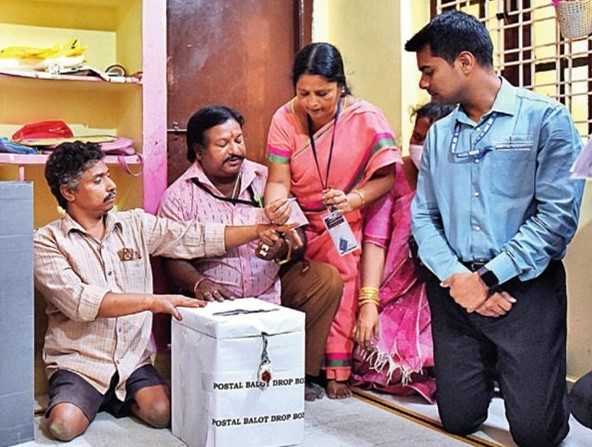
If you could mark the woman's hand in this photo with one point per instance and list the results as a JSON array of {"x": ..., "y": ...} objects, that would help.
[
  {"x": 278, "y": 211},
  {"x": 337, "y": 201},
  {"x": 208, "y": 290},
  {"x": 366, "y": 328}
]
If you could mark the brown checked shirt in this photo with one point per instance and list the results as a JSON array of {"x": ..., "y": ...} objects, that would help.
[{"x": 74, "y": 271}]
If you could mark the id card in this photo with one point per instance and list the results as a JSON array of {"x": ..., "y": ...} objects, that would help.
[{"x": 341, "y": 234}]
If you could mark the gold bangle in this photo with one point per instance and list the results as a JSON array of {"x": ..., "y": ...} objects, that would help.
[
  {"x": 375, "y": 302},
  {"x": 370, "y": 290},
  {"x": 369, "y": 295},
  {"x": 360, "y": 195}
]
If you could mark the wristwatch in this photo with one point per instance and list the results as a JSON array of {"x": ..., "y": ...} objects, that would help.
[{"x": 489, "y": 278}]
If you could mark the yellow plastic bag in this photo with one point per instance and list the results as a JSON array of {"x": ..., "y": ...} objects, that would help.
[{"x": 68, "y": 55}]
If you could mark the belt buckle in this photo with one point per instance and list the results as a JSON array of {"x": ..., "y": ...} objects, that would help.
[{"x": 474, "y": 266}]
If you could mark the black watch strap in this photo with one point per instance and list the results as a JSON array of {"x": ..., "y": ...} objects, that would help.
[{"x": 489, "y": 278}]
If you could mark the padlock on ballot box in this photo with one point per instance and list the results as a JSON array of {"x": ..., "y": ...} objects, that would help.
[{"x": 238, "y": 375}]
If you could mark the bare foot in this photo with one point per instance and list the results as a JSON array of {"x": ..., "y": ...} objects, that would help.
[
  {"x": 312, "y": 391},
  {"x": 338, "y": 390}
]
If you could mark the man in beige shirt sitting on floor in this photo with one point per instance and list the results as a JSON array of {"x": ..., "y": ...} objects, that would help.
[{"x": 93, "y": 268}]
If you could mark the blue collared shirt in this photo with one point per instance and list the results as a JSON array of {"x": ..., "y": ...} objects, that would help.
[{"x": 505, "y": 196}]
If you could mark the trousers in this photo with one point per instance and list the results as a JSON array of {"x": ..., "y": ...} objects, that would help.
[
  {"x": 314, "y": 288},
  {"x": 525, "y": 350}
]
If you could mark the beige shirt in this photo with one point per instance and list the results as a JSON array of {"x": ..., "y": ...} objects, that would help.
[{"x": 74, "y": 271}]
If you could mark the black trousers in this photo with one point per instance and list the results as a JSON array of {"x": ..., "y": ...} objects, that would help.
[{"x": 525, "y": 350}]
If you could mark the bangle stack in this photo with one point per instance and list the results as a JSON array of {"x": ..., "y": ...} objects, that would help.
[
  {"x": 360, "y": 195},
  {"x": 368, "y": 295}
]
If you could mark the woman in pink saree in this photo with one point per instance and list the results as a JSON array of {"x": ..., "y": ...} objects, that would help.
[
  {"x": 395, "y": 351},
  {"x": 334, "y": 153}
]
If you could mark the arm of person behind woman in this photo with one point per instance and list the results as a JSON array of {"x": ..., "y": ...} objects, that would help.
[
  {"x": 376, "y": 187},
  {"x": 410, "y": 171},
  {"x": 380, "y": 183}
]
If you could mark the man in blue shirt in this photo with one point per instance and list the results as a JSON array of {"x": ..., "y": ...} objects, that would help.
[{"x": 494, "y": 211}]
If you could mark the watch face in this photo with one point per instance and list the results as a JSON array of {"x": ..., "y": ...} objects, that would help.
[{"x": 489, "y": 279}]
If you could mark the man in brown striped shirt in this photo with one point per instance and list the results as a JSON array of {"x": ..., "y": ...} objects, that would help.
[{"x": 93, "y": 268}]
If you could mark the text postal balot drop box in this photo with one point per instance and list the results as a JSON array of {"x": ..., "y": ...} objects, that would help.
[{"x": 238, "y": 375}]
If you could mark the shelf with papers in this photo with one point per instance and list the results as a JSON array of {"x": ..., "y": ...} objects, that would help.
[
  {"x": 45, "y": 76},
  {"x": 39, "y": 159},
  {"x": 130, "y": 34}
]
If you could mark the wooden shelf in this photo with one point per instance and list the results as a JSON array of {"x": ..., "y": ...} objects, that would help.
[
  {"x": 42, "y": 75},
  {"x": 131, "y": 33},
  {"x": 57, "y": 83}
]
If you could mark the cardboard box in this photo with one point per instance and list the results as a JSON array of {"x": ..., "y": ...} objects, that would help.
[
  {"x": 16, "y": 318},
  {"x": 218, "y": 396}
]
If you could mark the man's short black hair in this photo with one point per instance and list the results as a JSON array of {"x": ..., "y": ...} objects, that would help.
[
  {"x": 203, "y": 120},
  {"x": 452, "y": 32},
  {"x": 433, "y": 111},
  {"x": 67, "y": 163}
]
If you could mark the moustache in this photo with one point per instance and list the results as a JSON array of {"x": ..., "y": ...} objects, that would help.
[
  {"x": 234, "y": 158},
  {"x": 110, "y": 196}
]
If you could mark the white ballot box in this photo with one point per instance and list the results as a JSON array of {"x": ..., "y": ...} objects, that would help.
[{"x": 238, "y": 375}]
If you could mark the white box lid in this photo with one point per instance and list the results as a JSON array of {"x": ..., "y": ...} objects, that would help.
[{"x": 243, "y": 317}]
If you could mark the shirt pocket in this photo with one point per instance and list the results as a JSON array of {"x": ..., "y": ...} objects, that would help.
[
  {"x": 512, "y": 172},
  {"x": 135, "y": 274}
]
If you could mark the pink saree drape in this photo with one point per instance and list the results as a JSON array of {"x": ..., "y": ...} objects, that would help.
[
  {"x": 404, "y": 349},
  {"x": 364, "y": 142}
]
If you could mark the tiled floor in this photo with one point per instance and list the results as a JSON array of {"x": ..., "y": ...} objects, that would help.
[{"x": 347, "y": 423}]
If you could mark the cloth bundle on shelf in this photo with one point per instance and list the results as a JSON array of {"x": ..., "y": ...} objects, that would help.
[
  {"x": 10, "y": 147},
  {"x": 53, "y": 59},
  {"x": 49, "y": 133},
  {"x": 48, "y": 129}
]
